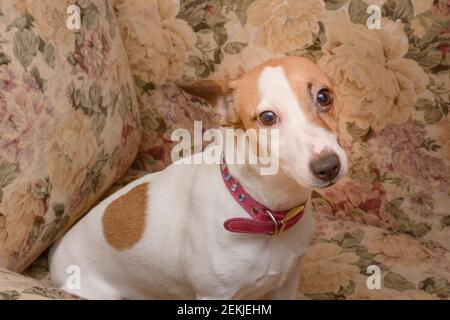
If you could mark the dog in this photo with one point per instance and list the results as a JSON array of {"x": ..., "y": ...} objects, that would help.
[{"x": 220, "y": 231}]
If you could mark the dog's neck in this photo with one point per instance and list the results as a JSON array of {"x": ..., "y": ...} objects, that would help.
[{"x": 277, "y": 192}]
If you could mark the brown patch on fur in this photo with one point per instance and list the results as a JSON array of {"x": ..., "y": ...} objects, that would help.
[{"x": 124, "y": 218}]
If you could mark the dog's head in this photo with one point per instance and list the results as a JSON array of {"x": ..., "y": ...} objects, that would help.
[{"x": 293, "y": 95}]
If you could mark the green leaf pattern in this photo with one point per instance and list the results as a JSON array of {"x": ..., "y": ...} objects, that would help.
[
  {"x": 392, "y": 208},
  {"x": 55, "y": 83}
]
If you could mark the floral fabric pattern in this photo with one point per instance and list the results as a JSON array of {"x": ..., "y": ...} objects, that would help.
[
  {"x": 17, "y": 287},
  {"x": 69, "y": 121},
  {"x": 393, "y": 86}
]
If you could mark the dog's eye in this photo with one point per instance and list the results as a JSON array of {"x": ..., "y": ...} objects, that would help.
[
  {"x": 324, "y": 99},
  {"x": 268, "y": 118}
]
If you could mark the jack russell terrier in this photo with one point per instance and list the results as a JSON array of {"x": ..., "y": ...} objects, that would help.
[{"x": 220, "y": 231}]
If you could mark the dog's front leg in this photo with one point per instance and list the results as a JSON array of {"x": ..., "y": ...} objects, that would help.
[{"x": 287, "y": 291}]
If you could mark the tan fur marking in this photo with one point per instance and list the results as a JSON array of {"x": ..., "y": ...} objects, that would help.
[
  {"x": 124, "y": 218},
  {"x": 209, "y": 90},
  {"x": 299, "y": 72},
  {"x": 247, "y": 97},
  {"x": 212, "y": 91}
]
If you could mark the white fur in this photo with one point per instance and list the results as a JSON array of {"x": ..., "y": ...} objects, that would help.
[
  {"x": 185, "y": 252},
  {"x": 299, "y": 138}
]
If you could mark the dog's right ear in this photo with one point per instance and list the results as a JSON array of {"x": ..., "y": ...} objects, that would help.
[{"x": 219, "y": 94}]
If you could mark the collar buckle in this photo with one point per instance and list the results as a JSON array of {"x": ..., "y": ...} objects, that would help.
[
  {"x": 276, "y": 228},
  {"x": 279, "y": 226}
]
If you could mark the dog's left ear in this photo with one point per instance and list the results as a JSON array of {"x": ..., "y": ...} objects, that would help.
[{"x": 219, "y": 94}]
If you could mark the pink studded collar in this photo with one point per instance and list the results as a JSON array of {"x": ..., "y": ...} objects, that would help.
[{"x": 263, "y": 220}]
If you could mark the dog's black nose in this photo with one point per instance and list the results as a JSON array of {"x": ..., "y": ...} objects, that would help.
[{"x": 326, "y": 167}]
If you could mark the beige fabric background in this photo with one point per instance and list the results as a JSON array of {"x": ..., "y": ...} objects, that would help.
[
  {"x": 69, "y": 122},
  {"x": 394, "y": 84}
]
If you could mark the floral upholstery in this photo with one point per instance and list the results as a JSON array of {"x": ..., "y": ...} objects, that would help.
[
  {"x": 393, "y": 86},
  {"x": 69, "y": 122},
  {"x": 17, "y": 287}
]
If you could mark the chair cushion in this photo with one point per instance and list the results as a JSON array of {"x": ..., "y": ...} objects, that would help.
[
  {"x": 69, "y": 120},
  {"x": 339, "y": 264},
  {"x": 17, "y": 287}
]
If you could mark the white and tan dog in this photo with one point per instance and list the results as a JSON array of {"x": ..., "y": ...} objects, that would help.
[{"x": 163, "y": 236}]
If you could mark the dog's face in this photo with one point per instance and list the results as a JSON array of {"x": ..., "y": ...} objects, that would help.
[{"x": 295, "y": 96}]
